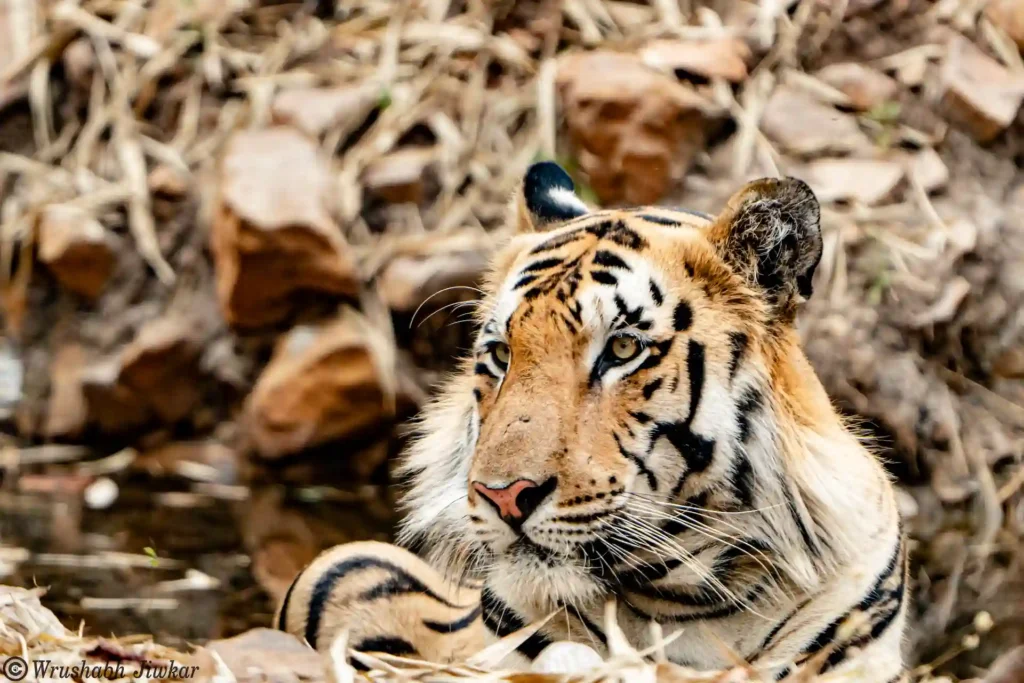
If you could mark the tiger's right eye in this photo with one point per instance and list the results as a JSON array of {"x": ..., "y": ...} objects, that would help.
[{"x": 502, "y": 354}]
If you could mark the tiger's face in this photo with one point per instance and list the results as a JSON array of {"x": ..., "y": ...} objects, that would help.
[{"x": 622, "y": 361}]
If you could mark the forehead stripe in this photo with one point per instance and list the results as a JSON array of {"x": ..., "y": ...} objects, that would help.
[{"x": 607, "y": 259}]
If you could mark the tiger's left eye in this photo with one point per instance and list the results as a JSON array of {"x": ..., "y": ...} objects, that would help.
[
  {"x": 502, "y": 354},
  {"x": 625, "y": 348}
]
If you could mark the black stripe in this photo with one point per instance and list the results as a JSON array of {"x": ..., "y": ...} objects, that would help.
[
  {"x": 743, "y": 480},
  {"x": 457, "y": 625},
  {"x": 542, "y": 264},
  {"x": 631, "y": 316},
  {"x": 738, "y": 345},
  {"x": 391, "y": 645},
  {"x": 779, "y": 626},
  {"x": 682, "y": 318},
  {"x": 638, "y": 577},
  {"x": 502, "y": 621},
  {"x": 605, "y": 258},
  {"x": 660, "y": 220},
  {"x": 805, "y": 534},
  {"x": 657, "y": 294},
  {"x": 750, "y": 401},
  {"x": 587, "y": 518},
  {"x": 603, "y": 277},
  {"x": 525, "y": 280},
  {"x": 476, "y": 394},
  {"x": 652, "y": 481},
  {"x": 875, "y": 595},
  {"x": 405, "y": 583},
  {"x": 641, "y": 417},
  {"x": 282, "y": 618},
  {"x": 484, "y": 369},
  {"x": 558, "y": 241},
  {"x": 619, "y": 233},
  {"x": 718, "y": 613},
  {"x": 651, "y": 387}
]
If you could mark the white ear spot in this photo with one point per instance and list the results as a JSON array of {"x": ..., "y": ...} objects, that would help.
[{"x": 567, "y": 201}]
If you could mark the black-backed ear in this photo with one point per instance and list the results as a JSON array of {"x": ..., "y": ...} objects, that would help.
[
  {"x": 546, "y": 196},
  {"x": 770, "y": 232}
]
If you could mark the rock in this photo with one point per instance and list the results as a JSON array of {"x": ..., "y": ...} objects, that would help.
[
  {"x": 1009, "y": 16},
  {"x": 322, "y": 383},
  {"x": 723, "y": 58},
  {"x": 113, "y": 407},
  {"x": 400, "y": 177},
  {"x": 927, "y": 169},
  {"x": 804, "y": 125},
  {"x": 978, "y": 93},
  {"x": 77, "y": 249},
  {"x": 280, "y": 541},
  {"x": 417, "y": 268},
  {"x": 161, "y": 366},
  {"x": 635, "y": 131},
  {"x": 264, "y": 654},
  {"x": 314, "y": 111},
  {"x": 66, "y": 410},
  {"x": 865, "y": 87},
  {"x": 866, "y": 181},
  {"x": 273, "y": 237}
]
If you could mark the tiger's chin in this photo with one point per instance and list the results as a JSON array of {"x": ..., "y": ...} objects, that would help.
[{"x": 536, "y": 575}]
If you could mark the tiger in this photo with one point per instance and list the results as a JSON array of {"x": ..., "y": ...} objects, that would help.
[{"x": 637, "y": 421}]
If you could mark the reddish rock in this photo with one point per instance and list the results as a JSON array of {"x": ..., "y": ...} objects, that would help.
[
  {"x": 634, "y": 129},
  {"x": 77, "y": 249},
  {"x": 978, "y": 92},
  {"x": 161, "y": 366},
  {"x": 322, "y": 383},
  {"x": 273, "y": 237},
  {"x": 113, "y": 407},
  {"x": 416, "y": 268}
]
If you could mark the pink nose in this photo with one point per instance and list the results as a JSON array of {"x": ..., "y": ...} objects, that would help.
[{"x": 507, "y": 500}]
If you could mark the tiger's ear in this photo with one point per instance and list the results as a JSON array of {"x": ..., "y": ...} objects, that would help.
[
  {"x": 545, "y": 197},
  {"x": 770, "y": 232}
]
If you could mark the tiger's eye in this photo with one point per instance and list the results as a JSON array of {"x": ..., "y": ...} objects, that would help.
[
  {"x": 624, "y": 347},
  {"x": 502, "y": 353}
]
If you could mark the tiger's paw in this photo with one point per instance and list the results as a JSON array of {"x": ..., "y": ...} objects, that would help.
[{"x": 387, "y": 599}]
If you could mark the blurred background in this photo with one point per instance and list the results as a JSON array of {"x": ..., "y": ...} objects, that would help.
[{"x": 235, "y": 236}]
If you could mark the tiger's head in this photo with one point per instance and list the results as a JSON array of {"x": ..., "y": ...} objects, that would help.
[{"x": 635, "y": 371}]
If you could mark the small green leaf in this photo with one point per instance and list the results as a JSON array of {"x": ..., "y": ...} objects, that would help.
[
  {"x": 385, "y": 99},
  {"x": 885, "y": 112}
]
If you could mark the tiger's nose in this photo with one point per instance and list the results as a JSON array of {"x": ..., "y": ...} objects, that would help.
[{"x": 516, "y": 501}]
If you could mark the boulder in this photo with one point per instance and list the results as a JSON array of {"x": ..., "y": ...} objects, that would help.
[
  {"x": 978, "y": 93},
  {"x": 77, "y": 249},
  {"x": 414, "y": 269},
  {"x": 866, "y": 88},
  {"x": 928, "y": 170},
  {"x": 273, "y": 237},
  {"x": 161, "y": 366},
  {"x": 113, "y": 407},
  {"x": 259, "y": 655},
  {"x": 802, "y": 124},
  {"x": 322, "y": 383},
  {"x": 314, "y": 111},
  {"x": 635, "y": 131}
]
